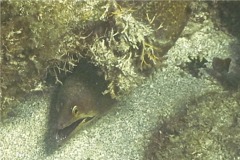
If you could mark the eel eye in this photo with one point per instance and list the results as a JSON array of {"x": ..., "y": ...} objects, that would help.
[{"x": 74, "y": 110}]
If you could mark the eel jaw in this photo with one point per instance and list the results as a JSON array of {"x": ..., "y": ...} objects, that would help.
[{"x": 65, "y": 132}]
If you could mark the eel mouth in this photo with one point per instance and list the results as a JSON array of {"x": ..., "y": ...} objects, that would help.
[{"x": 64, "y": 133}]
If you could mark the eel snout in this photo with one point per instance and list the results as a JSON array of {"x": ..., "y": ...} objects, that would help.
[{"x": 64, "y": 132}]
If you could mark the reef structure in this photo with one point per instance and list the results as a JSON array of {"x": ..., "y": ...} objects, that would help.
[{"x": 125, "y": 40}]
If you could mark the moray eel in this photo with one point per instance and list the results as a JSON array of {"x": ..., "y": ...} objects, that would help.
[{"x": 79, "y": 100}]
